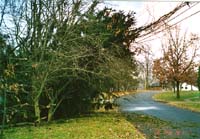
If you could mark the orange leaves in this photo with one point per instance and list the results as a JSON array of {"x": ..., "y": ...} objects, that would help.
[
  {"x": 14, "y": 87},
  {"x": 9, "y": 72},
  {"x": 117, "y": 32},
  {"x": 35, "y": 65},
  {"x": 109, "y": 26},
  {"x": 160, "y": 70},
  {"x": 177, "y": 62}
]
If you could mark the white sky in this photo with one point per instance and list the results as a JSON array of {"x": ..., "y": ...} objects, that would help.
[{"x": 147, "y": 12}]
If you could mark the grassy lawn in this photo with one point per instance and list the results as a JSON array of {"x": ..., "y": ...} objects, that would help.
[
  {"x": 102, "y": 125},
  {"x": 188, "y": 100}
]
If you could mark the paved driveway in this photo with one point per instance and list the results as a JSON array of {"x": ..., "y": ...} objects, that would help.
[{"x": 143, "y": 103}]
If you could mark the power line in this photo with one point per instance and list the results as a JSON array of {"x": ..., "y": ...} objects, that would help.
[
  {"x": 178, "y": 15},
  {"x": 184, "y": 11},
  {"x": 149, "y": 28},
  {"x": 187, "y": 17},
  {"x": 150, "y": 33},
  {"x": 169, "y": 26}
]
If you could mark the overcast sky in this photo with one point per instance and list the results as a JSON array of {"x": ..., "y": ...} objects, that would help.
[{"x": 147, "y": 12}]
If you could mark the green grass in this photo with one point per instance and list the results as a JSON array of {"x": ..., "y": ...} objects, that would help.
[
  {"x": 188, "y": 100},
  {"x": 94, "y": 126}
]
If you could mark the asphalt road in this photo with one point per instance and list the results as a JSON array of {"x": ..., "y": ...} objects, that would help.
[{"x": 143, "y": 103}]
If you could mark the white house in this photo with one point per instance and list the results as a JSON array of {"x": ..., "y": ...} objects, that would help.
[{"x": 188, "y": 87}]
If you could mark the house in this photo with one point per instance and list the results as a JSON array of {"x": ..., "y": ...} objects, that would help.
[{"x": 188, "y": 87}]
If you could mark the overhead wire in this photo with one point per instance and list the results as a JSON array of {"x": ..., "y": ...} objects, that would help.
[
  {"x": 187, "y": 17},
  {"x": 151, "y": 26},
  {"x": 166, "y": 28},
  {"x": 169, "y": 26},
  {"x": 150, "y": 33},
  {"x": 190, "y": 7},
  {"x": 156, "y": 32}
]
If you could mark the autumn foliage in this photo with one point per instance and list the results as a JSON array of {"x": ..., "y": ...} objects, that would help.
[{"x": 177, "y": 61}]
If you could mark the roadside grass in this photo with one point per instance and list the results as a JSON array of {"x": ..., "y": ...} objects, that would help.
[
  {"x": 100, "y": 125},
  {"x": 123, "y": 93},
  {"x": 188, "y": 99}
]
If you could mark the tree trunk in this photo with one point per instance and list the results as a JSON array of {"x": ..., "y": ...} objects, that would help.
[
  {"x": 53, "y": 107},
  {"x": 118, "y": 86},
  {"x": 147, "y": 78},
  {"x": 50, "y": 115},
  {"x": 178, "y": 92},
  {"x": 4, "y": 113},
  {"x": 174, "y": 87},
  {"x": 37, "y": 110}
]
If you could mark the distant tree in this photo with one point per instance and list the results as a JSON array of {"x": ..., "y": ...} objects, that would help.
[
  {"x": 191, "y": 79},
  {"x": 146, "y": 67},
  {"x": 176, "y": 63},
  {"x": 159, "y": 71}
]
